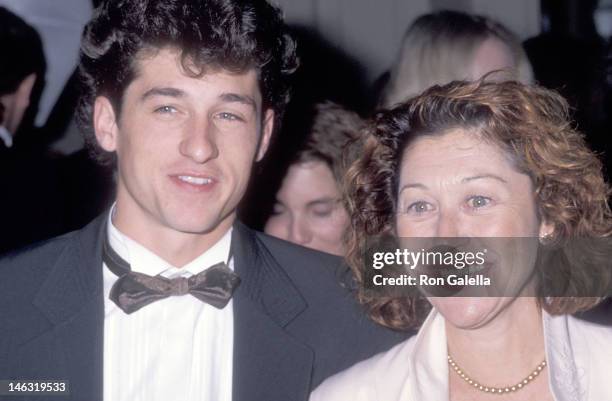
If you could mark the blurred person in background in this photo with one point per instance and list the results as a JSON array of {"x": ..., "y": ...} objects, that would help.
[
  {"x": 85, "y": 187},
  {"x": 59, "y": 24},
  {"x": 449, "y": 45},
  {"x": 22, "y": 64},
  {"x": 308, "y": 209},
  {"x": 569, "y": 56},
  {"x": 28, "y": 205}
]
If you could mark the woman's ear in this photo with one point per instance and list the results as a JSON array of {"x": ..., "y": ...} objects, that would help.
[{"x": 547, "y": 230}]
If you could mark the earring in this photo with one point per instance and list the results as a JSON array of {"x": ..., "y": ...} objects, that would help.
[{"x": 546, "y": 238}]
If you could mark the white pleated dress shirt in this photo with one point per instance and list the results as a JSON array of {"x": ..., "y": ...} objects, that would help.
[{"x": 174, "y": 349}]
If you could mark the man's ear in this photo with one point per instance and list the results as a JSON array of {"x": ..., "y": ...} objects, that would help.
[
  {"x": 25, "y": 90},
  {"x": 266, "y": 133},
  {"x": 105, "y": 124}
]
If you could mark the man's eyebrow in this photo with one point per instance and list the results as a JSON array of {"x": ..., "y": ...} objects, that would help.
[
  {"x": 238, "y": 98},
  {"x": 483, "y": 176},
  {"x": 165, "y": 91}
]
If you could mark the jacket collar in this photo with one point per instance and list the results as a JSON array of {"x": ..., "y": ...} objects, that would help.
[
  {"x": 264, "y": 304},
  {"x": 71, "y": 298},
  {"x": 428, "y": 368},
  {"x": 566, "y": 378},
  {"x": 76, "y": 277},
  {"x": 263, "y": 281}
]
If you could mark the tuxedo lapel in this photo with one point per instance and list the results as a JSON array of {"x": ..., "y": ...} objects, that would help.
[
  {"x": 71, "y": 298},
  {"x": 269, "y": 364}
]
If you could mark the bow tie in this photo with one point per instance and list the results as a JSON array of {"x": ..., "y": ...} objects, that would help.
[{"x": 133, "y": 290}]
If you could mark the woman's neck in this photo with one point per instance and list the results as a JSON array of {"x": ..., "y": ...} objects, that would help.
[{"x": 503, "y": 351}]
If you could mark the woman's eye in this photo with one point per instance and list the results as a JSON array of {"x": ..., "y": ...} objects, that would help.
[
  {"x": 278, "y": 209},
  {"x": 326, "y": 208},
  {"x": 478, "y": 201},
  {"x": 322, "y": 212},
  {"x": 419, "y": 207}
]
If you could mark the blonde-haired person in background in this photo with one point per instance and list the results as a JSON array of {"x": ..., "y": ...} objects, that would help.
[{"x": 448, "y": 45}]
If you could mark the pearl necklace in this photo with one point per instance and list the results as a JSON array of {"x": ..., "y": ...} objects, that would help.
[{"x": 496, "y": 390}]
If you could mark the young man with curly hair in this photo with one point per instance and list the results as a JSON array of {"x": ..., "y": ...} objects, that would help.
[{"x": 167, "y": 296}]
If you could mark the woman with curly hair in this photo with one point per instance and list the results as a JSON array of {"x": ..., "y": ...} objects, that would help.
[{"x": 487, "y": 160}]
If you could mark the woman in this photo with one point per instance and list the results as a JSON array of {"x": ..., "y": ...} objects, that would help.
[
  {"x": 448, "y": 45},
  {"x": 482, "y": 160},
  {"x": 308, "y": 210}
]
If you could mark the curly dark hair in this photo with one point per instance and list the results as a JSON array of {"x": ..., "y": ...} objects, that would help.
[
  {"x": 529, "y": 123},
  {"x": 236, "y": 35}
]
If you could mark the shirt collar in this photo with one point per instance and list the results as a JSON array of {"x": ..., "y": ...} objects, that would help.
[
  {"x": 6, "y": 136},
  {"x": 143, "y": 260}
]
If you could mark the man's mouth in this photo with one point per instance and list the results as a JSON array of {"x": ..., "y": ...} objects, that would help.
[{"x": 195, "y": 180}]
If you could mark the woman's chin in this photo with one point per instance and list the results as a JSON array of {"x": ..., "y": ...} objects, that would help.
[{"x": 468, "y": 312}]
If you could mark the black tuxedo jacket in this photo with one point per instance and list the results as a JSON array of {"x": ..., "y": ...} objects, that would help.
[{"x": 294, "y": 324}]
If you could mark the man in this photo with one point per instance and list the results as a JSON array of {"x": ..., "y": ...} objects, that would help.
[
  {"x": 22, "y": 64},
  {"x": 167, "y": 297},
  {"x": 24, "y": 218},
  {"x": 60, "y": 21}
]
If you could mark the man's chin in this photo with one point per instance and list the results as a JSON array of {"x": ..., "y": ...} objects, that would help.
[{"x": 201, "y": 225}]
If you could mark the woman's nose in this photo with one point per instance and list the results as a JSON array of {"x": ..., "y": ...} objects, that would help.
[
  {"x": 447, "y": 225},
  {"x": 300, "y": 232}
]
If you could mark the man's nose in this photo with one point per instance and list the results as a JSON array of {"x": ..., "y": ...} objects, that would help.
[{"x": 199, "y": 142}]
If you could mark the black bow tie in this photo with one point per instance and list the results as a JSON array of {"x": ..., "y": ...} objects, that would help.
[{"x": 133, "y": 290}]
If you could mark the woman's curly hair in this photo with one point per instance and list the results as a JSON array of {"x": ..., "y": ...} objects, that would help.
[{"x": 529, "y": 123}]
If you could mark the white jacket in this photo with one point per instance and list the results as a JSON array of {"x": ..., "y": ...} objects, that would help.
[{"x": 579, "y": 356}]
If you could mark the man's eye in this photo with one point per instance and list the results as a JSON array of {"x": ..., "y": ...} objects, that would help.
[
  {"x": 229, "y": 116},
  {"x": 419, "y": 207},
  {"x": 478, "y": 201},
  {"x": 165, "y": 110}
]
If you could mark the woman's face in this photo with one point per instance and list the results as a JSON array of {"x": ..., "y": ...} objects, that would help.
[
  {"x": 308, "y": 209},
  {"x": 458, "y": 185}
]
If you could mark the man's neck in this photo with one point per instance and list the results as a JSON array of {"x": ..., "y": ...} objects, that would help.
[{"x": 177, "y": 248}]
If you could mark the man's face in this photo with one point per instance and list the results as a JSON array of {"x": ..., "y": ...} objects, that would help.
[{"x": 184, "y": 145}]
